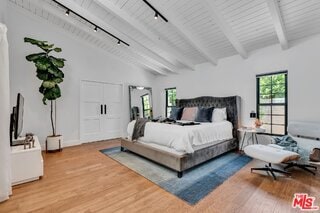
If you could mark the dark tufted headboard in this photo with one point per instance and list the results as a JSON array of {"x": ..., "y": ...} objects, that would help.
[{"x": 232, "y": 104}]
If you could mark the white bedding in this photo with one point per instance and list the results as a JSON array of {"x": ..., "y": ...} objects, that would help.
[{"x": 184, "y": 138}]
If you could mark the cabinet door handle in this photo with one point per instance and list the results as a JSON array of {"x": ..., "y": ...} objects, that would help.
[
  {"x": 101, "y": 109},
  {"x": 105, "y": 109}
]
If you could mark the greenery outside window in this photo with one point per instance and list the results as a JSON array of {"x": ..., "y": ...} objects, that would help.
[
  {"x": 272, "y": 102},
  {"x": 171, "y": 96},
  {"x": 146, "y": 107}
]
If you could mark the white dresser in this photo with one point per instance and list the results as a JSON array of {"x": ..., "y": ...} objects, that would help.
[{"x": 27, "y": 164}]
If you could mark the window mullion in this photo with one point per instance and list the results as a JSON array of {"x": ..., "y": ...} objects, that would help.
[
  {"x": 258, "y": 97},
  {"x": 271, "y": 121}
]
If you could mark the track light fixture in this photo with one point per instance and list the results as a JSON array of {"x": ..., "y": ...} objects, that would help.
[
  {"x": 157, "y": 13},
  {"x": 96, "y": 27}
]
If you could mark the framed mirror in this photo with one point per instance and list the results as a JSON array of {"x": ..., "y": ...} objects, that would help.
[{"x": 140, "y": 102}]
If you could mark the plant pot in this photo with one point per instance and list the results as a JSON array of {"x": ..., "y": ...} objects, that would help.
[{"x": 54, "y": 143}]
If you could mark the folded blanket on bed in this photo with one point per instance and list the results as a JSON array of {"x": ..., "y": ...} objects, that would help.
[{"x": 138, "y": 130}]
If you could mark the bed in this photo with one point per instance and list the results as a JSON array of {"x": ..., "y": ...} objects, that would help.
[{"x": 193, "y": 145}]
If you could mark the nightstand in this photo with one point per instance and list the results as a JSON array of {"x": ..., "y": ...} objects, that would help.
[{"x": 253, "y": 131}]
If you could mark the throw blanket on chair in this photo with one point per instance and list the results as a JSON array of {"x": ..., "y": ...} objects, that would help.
[
  {"x": 291, "y": 145},
  {"x": 138, "y": 129},
  {"x": 287, "y": 142}
]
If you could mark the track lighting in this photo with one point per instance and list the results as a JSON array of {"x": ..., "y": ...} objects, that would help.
[
  {"x": 156, "y": 12},
  {"x": 96, "y": 27}
]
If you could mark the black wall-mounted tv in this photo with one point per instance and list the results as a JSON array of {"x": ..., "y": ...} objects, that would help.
[{"x": 16, "y": 121}]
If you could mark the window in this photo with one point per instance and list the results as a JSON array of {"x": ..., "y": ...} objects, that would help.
[
  {"x": 272, "y": 107},
  {"x": 146, "y": 107},
  {"x": 171, "y": 96}
]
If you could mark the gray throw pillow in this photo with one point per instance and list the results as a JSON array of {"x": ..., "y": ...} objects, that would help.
[
  {"x": 176, "y": 113},
  {"x": 204, "y": 114}
]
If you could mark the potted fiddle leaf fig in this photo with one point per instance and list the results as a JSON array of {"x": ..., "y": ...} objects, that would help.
[{"x": 48, "y": 70}]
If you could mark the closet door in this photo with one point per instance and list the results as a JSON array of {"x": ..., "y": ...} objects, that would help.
[
  {"x": 91, "y": 111},
  {"x": 100, "y": 111},
  {"x": 112, "y": 110}
]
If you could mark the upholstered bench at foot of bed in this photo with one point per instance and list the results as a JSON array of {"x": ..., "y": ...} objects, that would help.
[{"x": 271, "y": 155}]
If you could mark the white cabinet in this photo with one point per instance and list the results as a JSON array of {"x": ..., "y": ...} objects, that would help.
[
  {"x": 26, "y": 164},
  {"x": 100, "y": 111}
]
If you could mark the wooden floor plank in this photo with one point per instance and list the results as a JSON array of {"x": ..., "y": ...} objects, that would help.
[{"x": 82, "y": 179}]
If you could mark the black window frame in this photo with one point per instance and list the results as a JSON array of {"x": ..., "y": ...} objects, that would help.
[
  {"x": 143, "y": 107},
  {"x": 167, "y": 89},
  {"x": 258, "y": 104}
]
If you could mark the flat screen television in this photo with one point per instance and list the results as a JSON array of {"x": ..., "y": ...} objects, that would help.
[{"x": 16, "y": 121}]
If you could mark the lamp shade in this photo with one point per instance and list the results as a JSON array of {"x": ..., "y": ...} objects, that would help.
[{"x": 253, "y": 114}]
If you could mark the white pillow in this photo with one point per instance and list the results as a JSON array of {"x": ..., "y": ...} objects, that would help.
[{"x": 219, "y": 114}]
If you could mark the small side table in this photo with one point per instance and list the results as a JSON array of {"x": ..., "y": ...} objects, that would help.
[{"x": 253, "y": 131}]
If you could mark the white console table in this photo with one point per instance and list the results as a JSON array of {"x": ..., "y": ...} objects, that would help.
[{"x": 26, "y": 164}]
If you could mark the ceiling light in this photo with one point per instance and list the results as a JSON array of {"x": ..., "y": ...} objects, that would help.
[
  {"x": 95, "y": 29},
  {"x": 119, "y": 42},
  {"x": 156, "y": 16},
  {"x": 67, "y": 12}
]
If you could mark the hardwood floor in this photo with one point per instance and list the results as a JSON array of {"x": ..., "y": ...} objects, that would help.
[{"x": 81, "y": 179}]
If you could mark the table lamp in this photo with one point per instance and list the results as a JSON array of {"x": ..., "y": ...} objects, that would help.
[{"x": 253, "y": 116}]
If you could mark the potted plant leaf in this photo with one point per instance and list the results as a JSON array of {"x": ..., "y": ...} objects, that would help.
[{"x": 48, "y": 70}]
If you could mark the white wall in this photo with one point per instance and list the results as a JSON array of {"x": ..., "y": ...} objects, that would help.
[
  {"x": 3, "y": 11},
  {"x": 84, "y": 62},
  {"x": 236, "y": 76}
]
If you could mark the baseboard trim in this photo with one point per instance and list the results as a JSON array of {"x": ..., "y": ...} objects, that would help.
[{"x": 71, "y": 143}]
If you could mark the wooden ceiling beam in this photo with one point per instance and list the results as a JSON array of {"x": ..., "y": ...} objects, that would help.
[
  {"x": 278, "y": 23},
  {"x": 225, "y": 27},
  {"x": 184, "y": 32}
]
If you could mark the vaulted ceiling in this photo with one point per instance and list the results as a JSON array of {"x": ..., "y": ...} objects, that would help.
[{"x": 197, "y": 31}]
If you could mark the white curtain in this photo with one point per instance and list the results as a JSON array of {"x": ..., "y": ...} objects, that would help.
[{"x": 5, "y": 163}]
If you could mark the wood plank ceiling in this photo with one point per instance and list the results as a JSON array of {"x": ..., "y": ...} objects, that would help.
[{"x": 198, "y": 31}]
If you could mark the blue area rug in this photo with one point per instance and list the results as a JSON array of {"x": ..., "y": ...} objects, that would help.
[{"x": 195, "y": 184}]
